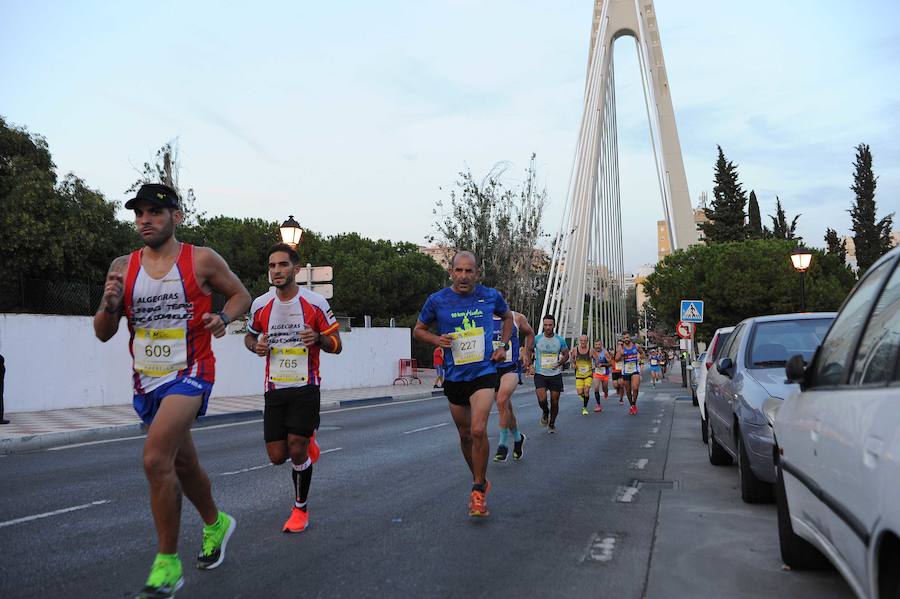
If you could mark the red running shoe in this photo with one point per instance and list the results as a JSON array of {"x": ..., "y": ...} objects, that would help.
[
  {"x": 313, "y": 450},
  {"x": 298, "y": 521}
]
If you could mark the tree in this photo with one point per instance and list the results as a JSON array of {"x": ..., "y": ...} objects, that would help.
[
  {"x": 166, "y": 169},
  {"x": 754, "y": 222},
  {"x": 500, "y": 226},
  {"x": 835, "y": 245},
  {"x": 780, "y": 227},
  {"x": 741, "y": 279},
  {"x": 871, "y": 239},
  {"x": 726, "y": 212}
]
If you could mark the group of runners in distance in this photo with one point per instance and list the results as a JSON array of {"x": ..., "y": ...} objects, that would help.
[{"x": 164, "y": 291}]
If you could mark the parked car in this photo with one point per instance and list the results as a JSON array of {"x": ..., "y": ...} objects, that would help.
[
  {"x": 718, "y": 341},
  {"x": 749, "y": 370},
  {"x": 838, "y": 443},
  {"x": 694, "y": 375}
]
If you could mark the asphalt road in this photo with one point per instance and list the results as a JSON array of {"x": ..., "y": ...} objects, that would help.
[{"x": 387, "y": 511}]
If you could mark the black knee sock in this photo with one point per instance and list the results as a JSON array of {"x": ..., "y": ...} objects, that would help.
[
  {"x": 585, "y": 399},
  {"x": 302, "y": 476},
  {"x": 597, "y": 396},
  {"x": 554, "y": 410},
  {"x": 544, "y": 408}
]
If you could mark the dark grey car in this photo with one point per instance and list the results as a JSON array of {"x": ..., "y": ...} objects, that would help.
[{"x": 750, "y": 370}]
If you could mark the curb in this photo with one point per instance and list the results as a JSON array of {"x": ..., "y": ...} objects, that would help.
[{"x": 41, "y": 441}]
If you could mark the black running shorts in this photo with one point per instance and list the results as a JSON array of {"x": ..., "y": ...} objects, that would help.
[
  {"x": 294, "y": 411},
  {"x": 616, "y": 375},
  {"x": 551, "y": 383},
  {"x": 459, "y": 392}
]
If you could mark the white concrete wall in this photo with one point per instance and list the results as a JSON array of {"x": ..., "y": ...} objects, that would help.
[{"x": 55, "y": 362}]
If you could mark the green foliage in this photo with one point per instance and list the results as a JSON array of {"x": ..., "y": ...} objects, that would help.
[
  {"x": 726, "y": 212},
  {"x": 871, "y": 239},
  {"x": 754, "y": 220},
  {"x": 742, "y": 279},
  {"x": 780, "y": 227},
  {"x": 166, "y": 169},
  {"x": 835, "y": 245}
]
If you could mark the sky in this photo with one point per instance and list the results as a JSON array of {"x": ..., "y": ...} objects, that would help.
[{"x": 358, "y": 116}]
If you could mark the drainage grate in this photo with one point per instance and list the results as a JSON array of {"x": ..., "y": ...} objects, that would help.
[{"x": 660, "y": 485}]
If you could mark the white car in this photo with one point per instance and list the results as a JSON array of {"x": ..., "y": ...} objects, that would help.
[
  {"x": 837, "y": 443},
  {"x": 718, "y": 341}
]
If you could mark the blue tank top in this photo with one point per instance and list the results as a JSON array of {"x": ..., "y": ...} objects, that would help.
[
  {"x": 630, "y": 358},
  {"x": 512, "y": 354}
]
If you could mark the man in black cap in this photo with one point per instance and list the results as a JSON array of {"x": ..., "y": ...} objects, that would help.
[{"x": 164, "y": 290}]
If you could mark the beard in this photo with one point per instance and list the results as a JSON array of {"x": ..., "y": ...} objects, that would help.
[{"x": 162, "y": 237}]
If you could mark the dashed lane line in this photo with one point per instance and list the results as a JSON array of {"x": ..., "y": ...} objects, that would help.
[
  {"x": 54, "y": 513},
  {"x": 269, "y": 465},
  {"x": 649, "y": 444},
  {"x": 639, "y": 464},
  {"x": 425, "y": 428}
]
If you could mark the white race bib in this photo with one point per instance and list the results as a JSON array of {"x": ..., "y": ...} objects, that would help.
[
  {"x": 584, "y": 369},
  {"x": 467, "y": 346},
  {"x": 549, "y": 361},
  {"x": 158, "y": 352},
  {"x": 654, "y": 362},
  {"x": 289, "y": 364},
  {"x": 619, "y": 366},
  {"x": 508, "y": 357},
  {"x": 630, "y": 368}
]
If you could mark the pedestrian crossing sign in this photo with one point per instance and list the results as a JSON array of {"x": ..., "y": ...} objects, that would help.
[{"x": 691, "y": 310}]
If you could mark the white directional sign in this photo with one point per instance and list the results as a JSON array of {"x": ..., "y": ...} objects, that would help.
[
  {"x": 320, "y": 274},
  {"x": 326, "y": 290},
  {"x": 691, "y": 311}
]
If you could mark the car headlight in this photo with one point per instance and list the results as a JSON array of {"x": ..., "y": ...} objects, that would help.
[{"x": 770, "y": 409}]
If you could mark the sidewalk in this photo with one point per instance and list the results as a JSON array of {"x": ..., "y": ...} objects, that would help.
[{"x": 28, "y": 431}]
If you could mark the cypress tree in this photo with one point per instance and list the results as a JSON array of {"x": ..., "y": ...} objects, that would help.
[
  {"x": 754, "y": 225},
  {"x": 871, "y": 239},
  {"x": 780, "y": 227},
  {"x": 835, "y": 245},
  {"x": 726, "y": 212}
]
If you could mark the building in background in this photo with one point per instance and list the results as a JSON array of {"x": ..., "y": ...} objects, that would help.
[
  {"x": 851, "y": 248},
  {"x": 663, "y": 241}
]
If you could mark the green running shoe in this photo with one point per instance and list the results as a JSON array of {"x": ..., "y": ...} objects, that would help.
[
  {"x": 166, "y": 577},
  {"x": 215, "y": 538}
]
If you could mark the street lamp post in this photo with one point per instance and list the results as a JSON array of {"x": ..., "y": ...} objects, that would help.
[
  {"x": 291, "y": 232},
  {"x": 801, "y": 258}
]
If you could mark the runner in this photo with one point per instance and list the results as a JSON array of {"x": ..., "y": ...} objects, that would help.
[
  {"x": 601, "y": 363},
  {"x": 617, "y": 375},
  {"x": 463, "y": 315},
  {"x": 655, "y": 370},
  {"x": 629, "y": 354},
  {"x": 290, "y": 326},
  {"x": 164, "y": 291},
  {"x": 551, "y": 352},
  {"x": 439, "y": 367},
  {"x": 508, "y": 373},
  {"x": 581, "y": 362},
  {"x": 663, "y": 360}
]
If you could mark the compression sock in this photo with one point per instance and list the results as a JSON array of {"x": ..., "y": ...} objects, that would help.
[
  {"x": 302, "y": 475},
  {"x": 585, "y": 399},
  {"x": 504, "y": 437},
  {"x": 517, "y": 436}
]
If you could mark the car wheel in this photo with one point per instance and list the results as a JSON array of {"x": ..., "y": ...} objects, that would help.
[
  {"x": 753, "y": 490},
  {"x": 717, "y": 454},
  {"x": 796, "y": 552},
  {"x": 704, "y": 429}
]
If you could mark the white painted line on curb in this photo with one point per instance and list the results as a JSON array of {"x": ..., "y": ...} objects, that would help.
[
  {"x": 426, "y": 428},
  {"x": 648, "y": 444},
  {"x": 54, "y": 513},
  {"x": 626, "y": 494},
  {"x": 639, "y": 464}
]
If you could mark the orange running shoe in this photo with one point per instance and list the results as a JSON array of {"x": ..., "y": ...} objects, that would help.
[
  {"x": 313, "y": 450},
  {"x": 298, "y": 521},
  {"x": 478, "y": 505},
  {"x": 598, "y": 408}
]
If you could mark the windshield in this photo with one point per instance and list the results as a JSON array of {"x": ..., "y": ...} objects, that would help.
[{"x": 774, "y": 342}]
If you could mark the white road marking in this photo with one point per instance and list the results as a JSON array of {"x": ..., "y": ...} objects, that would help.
[
  {"x": 600, "y": 548},
  {"x": 626, "y": 494},
  {"x": 54, "y": 513},
  {"x": 330, "y": 450},
  {"x": 639, "y": 464},
  {"x": 252, "y": 468},
  {"x": 426, "y": 428},
  {"x": 657, "y": 421},
  {"x": 648, "y": 444},
  {"x": 654, "y": 430}
]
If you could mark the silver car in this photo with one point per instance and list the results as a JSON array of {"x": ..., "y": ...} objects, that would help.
[
  {"x": 838, "y": 443},
  {"x": 749, "y": 370}
]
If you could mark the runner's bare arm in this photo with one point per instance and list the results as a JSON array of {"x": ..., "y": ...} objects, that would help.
[
  {"x": 528, "y": 346},
  {"x": 421, "y": 333},
  {"x": 565, "y": 357},
  {"x": 106, "y": 320},
  {"x": 330, "y": 343},
  {"x": 213, "y": 273},
  {"x": 499, "y": 354}
]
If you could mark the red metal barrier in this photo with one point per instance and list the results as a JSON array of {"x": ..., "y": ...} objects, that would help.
[{"x": 409, "y": 372}]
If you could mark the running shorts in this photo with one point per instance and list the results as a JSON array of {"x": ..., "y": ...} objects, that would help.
[
  {"x": 147, "y": 404},
  {"x": 582, "y": 383},
  {"x": 293, "y": 410},
  {"x": 616, "y": 375},
  {"x": 551, "y": 383},
  {"x": 459, "y": 392},
  {"x": 656, "y": 369}
]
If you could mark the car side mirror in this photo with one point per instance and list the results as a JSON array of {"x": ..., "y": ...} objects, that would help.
[
  {"x": 724, "y": 366},
  {"x": 795, "y": 370}
]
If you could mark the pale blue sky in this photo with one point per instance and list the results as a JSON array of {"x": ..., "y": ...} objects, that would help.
[{"x": 353, "y": 115}]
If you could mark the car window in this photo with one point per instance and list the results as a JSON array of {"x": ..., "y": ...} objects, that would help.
[
  {"x": 734, "y": 343},
  {"x": 879, "y": 344},
  {"x": 832, "y": 361},
  {"x": 720, "y": 343},
  {"x": 774, "y": 342}
]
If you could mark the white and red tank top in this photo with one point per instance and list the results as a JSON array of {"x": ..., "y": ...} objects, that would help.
[
  {"x": 290, "y": 363},
  {"x": 165, "y": 318}
]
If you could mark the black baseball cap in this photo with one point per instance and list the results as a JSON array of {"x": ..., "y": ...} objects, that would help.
[{"x": 155, "y": 193}]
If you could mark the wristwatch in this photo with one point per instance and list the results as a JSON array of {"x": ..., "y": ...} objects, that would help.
[{"x": 225, "y": 320}]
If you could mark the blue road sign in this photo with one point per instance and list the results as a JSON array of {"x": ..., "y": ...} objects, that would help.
[{"x": 692, "y": 310}]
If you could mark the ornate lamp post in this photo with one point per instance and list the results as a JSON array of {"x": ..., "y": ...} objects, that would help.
[
  {"x": 291, "y": 232},
  {"x": 801, "y": 258}
]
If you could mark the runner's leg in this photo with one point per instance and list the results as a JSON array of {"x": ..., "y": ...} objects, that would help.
[
  {"x": 194, "y": 481},
  {"x": 462, "y": 418},
  {"x": 481, "y": 402},
  {"x": 542, "y": 401},
  {"x": 554, "y": 406}
]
